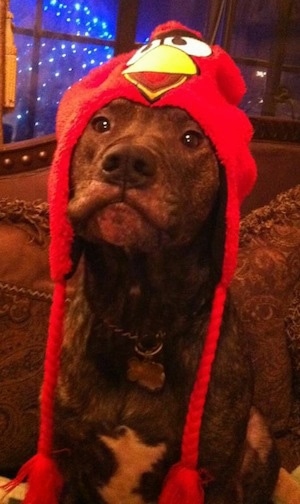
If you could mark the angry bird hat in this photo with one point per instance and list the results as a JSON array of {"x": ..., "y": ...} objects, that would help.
[{"x": 175, "y": 68}]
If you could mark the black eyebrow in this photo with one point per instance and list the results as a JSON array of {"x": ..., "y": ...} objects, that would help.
[{"x": 177, "y": 33}]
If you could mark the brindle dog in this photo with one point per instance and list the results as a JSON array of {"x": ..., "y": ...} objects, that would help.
[{"x": 145, "y": 204}]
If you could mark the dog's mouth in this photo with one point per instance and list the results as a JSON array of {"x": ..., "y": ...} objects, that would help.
[
  {"x": 103, "y": 213},
  {"x": 123, "y": 225}
]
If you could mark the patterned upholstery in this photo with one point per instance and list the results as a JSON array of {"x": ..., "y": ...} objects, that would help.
[
  {"x": 266, "y": 290},
  {"x": 25, "y": 297}
]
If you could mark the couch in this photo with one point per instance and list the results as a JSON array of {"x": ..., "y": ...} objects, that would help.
[{"x": 266, "y": 289}]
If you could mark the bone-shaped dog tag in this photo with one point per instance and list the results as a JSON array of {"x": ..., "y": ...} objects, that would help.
[{"x": 146, "y": 373}]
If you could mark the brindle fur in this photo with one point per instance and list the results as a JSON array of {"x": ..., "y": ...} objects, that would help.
[{"x": 158, "y": 274}]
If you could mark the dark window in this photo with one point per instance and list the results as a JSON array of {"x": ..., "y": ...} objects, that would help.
[
  {"x": 150, "y": 14},
  {"x": 59, "y": 41}
]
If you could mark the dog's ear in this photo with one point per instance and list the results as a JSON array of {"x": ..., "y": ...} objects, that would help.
[
  {"x": 76, "y": 253},
  {"x": 219, "y": 226}
]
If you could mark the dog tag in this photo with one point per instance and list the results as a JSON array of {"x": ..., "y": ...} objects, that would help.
[{"x": 148, "y": 374}]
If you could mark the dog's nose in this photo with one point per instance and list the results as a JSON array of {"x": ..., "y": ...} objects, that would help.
[{"x": 130, "y": 165}]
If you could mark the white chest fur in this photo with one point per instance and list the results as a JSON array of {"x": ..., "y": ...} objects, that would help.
[{"x": 134, "y": 458}]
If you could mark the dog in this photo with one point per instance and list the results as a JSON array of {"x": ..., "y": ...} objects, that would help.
[{"x": 147, "y": 225}]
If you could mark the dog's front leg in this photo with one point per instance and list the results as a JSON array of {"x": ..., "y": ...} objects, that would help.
[{"x": 260, "y": 466}]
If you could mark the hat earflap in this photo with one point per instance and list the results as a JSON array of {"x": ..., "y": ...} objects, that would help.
[
  {"x": 77, "y": 248},
  {"x": 218, "y": 237}
]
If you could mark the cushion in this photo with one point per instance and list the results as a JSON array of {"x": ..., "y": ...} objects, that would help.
[
  {"x": 265, "y": 292},
  {"x": 25, "y": 298}
]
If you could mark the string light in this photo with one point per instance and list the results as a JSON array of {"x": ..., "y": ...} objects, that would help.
[{"x": 60, "y": 62}]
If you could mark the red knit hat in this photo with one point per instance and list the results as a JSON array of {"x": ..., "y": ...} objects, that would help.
[{"x": 176, "y": 68}]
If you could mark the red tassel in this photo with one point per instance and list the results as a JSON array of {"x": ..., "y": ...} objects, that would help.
[
  {"x": 182, "y": 486},
  {"x": 44, "y": 481}
]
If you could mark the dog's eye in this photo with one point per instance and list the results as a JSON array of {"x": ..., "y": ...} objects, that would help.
[
  {"x": 191, "y": 139},
  {"x": 101, "y": 124}
]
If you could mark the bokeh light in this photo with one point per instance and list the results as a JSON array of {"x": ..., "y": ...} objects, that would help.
[{"x": 47, "y": 66}]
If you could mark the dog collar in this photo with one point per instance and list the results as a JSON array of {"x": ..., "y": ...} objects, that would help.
[{"x": 145, "y": 367}]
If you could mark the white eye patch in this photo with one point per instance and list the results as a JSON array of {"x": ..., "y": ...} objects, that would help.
[{"x": 145, "y": 49}]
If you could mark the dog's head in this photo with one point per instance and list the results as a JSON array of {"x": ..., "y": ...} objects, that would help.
[{"x": 142, "y": 178}]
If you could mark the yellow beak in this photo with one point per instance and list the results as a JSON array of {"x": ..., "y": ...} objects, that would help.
[{"x": 159, "y": 70}]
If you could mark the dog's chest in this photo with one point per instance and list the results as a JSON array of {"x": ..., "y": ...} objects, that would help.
[{"x": 133, "y": 459}]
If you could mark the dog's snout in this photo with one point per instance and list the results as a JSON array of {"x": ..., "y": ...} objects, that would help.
[{"x": 130, "y": 165}]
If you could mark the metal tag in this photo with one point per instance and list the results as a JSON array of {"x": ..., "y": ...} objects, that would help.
[{"x": 148, "y": 374}]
